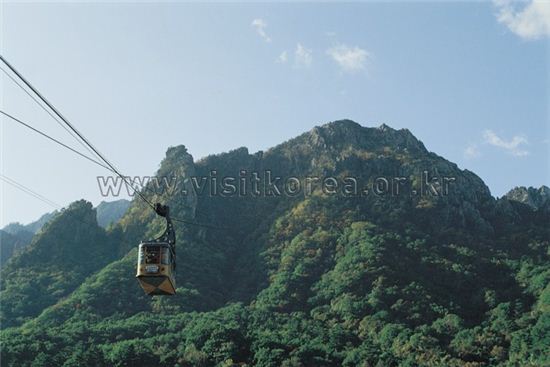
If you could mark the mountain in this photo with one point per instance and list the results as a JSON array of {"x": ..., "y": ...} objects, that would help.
[
  {"x": 10, "y": 244},
  {"x": 60, "y": 257},
  {"x": 15, "y": 236},
  {"x": 109, "y": 212},
  {"x": 535, "y": 198},
  {"x": 393, "y": 256},
  {"x": 33, "y": 227}
]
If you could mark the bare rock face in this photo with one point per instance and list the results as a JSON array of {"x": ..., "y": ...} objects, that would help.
[
  {"x": 535, "y": 198},
  {"x": 342, "y": 149},
  {"x": 345, "y": 147},
  {"x": 174, "y": 178},
  {"x": 110, "y": 212},
  {"x": 342, "y": 133}
]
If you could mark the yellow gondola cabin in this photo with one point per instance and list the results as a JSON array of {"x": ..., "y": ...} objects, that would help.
[{"x": 156, "y": 265}]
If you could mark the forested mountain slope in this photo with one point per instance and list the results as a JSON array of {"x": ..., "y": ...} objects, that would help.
[
  {"x": 70, "y": 247},
  {"x": 109, "y": 212},
  {"x": 12, "y": 243},
  {"x": 384, "y": 278},
  {"x": 16, "y": 236}
]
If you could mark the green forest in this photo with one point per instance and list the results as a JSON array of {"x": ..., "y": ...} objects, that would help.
[{"x": 309, "y": 280}]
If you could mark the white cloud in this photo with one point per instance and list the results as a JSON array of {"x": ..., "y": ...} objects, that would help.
[
  {"x": 512, "y": 146},
  {"x": 302, "y": 57},
  {"x": 530, "y": 22},
  {"x": 472, "y": 151},
  {"x": 350, "y": 59},
  {"x": 283, "y": 58},
  {"x": 260, "y": 25}
]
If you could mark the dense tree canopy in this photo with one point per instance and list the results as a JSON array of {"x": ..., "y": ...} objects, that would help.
[{"x": 315, "y": 280}]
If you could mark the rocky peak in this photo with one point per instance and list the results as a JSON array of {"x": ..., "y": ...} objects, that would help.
[
  {"x": 349, "y": 132},
  {"x": 178, "y": 165},
  {"x": 385, "y": 127},
  {"x": 178, "y": 153},
  {"x": 533, "y": 197}
]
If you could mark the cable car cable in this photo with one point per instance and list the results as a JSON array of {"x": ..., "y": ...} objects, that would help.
[
  {"x": 91, "y": 160},
  {"x": 46, "y": 110},
  {"x": 23, "y": 188},
  {"x": 53, "y": 139},
  {"x": 101, "y": 156},
  {"x": 43, "y": 99},
  {"x": 95, "y": 150},
  {"x": 66, "y": 146},
  {"x": 44, "y": 199}
]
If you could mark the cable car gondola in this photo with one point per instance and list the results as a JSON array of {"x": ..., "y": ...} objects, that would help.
[{"x": 156, "y": 265}]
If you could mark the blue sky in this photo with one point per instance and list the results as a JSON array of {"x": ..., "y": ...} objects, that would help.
[{"x": 468, "y": 79}]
